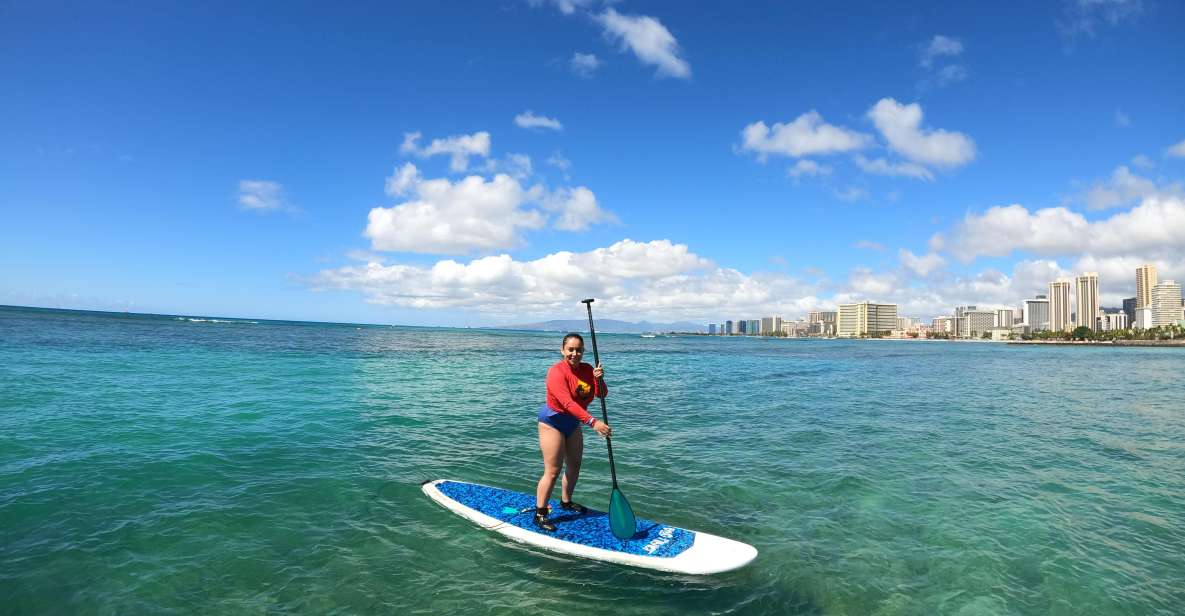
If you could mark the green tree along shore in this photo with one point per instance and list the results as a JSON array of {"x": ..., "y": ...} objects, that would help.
[
  {"x": 1164, "y": 332},
  {"x": 1083, "y": 333}
]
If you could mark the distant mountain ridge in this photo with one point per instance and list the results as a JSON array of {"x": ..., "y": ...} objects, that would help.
[{"x": 609, "y": 326}]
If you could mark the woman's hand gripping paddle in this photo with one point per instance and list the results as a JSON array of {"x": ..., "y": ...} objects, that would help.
[{"x": 622, "y": 521}]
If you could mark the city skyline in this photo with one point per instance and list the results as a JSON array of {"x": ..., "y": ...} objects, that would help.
[{"x": 1165, "y": 306}]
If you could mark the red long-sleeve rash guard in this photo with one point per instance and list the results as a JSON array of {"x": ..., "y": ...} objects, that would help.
[{"x": 571, "y": 391}]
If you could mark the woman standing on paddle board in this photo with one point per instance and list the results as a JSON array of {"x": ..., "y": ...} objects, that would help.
[{"x": 571, "y": 386}]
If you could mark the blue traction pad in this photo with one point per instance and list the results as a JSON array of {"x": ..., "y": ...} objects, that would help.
[{"x": 591, "y": 528}]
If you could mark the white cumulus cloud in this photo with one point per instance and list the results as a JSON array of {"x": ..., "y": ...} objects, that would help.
[
  {"x": 901, "y": 126},
  {"x": 807, "y": 135},
  {"x": 635, "y": 277},
  {"x": 528, "y": 119},
  {"x": 577, "y": 209},
  {"x": 1003, "y": 229},
  {"x": 476, "y": 214},
  {"x": 648, "y": 39},
  {"x": 458, "y": 147},
  {"x": 455, "y": 218},
  {"x": 1155, "y": 227},
  {"x": 1177, "y": 149}
]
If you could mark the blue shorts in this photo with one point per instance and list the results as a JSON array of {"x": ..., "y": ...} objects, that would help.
[{"x": 563, "y": 422}]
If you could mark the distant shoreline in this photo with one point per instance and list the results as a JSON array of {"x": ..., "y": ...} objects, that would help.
[{"x": 1126, "y": 343}]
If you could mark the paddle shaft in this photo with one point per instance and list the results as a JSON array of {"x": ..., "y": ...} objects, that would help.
[{"x": 592, "y": 332}]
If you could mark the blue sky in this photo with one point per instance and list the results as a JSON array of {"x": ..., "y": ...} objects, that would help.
[{"x": 481, "y": 163}]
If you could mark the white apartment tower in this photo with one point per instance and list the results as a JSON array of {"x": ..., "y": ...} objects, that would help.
[
  {"x": 1059, "y": 305},
  {"x": 1166, "y": 303},
  {"x": 1087, "y": 295},
  {"x": 1145, "y": 280}
]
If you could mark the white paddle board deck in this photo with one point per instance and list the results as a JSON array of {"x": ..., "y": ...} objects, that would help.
[{"x": 654, "y": 546}]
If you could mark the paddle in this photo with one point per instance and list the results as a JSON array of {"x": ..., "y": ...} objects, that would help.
[{"x": 621, "y": 516}]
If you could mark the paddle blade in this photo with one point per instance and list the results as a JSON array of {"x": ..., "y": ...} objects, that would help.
[{"x": 621, "y": 516}]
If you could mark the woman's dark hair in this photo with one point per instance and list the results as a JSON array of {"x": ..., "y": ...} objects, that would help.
[{"x": 572, "y": 335}]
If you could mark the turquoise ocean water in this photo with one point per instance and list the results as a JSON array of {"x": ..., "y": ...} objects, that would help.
[{"x": 153, "y": 465}]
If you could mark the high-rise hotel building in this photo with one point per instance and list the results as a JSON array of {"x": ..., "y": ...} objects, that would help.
[
  {"x": 1059, "y": 305},
  {"x": 1087, "y": 296},
  {"x": 973, "y": 323},
  {"x": 1166, "y": 303},
  {"x": 1036, "y": 314},
  {"x": 865, "y": 318},
  {"x": 1145, "y": 280}
]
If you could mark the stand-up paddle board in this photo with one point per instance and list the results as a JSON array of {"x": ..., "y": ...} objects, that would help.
[{"x": 654, "y": 546}]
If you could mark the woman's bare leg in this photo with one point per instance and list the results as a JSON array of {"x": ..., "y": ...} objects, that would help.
[
  {"x": 573, "y": 453},
  {"x": 551, "y": 444}
]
